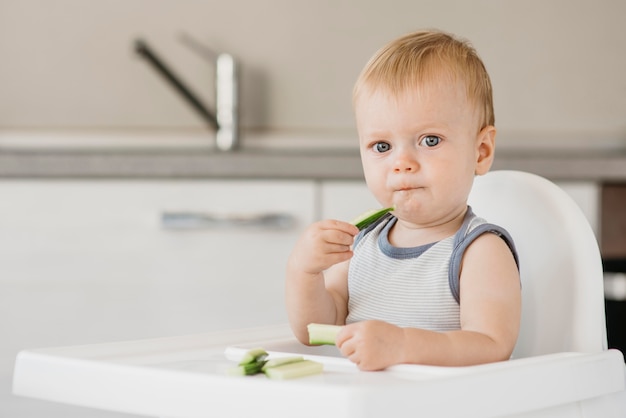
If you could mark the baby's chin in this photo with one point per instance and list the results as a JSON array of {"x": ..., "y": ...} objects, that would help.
[
  {"x": 407, "y": 201},
  {"x": 410, "y": 211}
]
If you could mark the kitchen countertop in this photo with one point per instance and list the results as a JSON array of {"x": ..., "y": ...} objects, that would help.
[
  {"x": 327, "y": 158},
  {"x": 270, "y": 165}
]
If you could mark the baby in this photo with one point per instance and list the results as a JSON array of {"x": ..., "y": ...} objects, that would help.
[{"x": 430, "y": 283}]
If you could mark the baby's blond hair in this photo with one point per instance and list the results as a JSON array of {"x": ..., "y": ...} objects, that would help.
[{"x": 425, "y": 57}]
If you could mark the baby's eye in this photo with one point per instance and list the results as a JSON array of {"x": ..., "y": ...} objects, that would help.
[
  {"x": 430, "y": 141},
  {"x": 382, "y": 147}
]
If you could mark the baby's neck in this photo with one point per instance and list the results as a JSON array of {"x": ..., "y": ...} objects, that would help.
[{"x": 405, "y": 234}]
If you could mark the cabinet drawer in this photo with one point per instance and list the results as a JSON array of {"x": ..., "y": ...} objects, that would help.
[{"x": 91, "y": 261}]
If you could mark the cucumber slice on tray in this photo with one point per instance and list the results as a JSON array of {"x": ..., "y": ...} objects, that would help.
[
  {"x": 296, "y": 369},
  {"x": 276, "y": 362},
  {"x": 254, "y": 355},
  {"x": 255, "y": 362}
]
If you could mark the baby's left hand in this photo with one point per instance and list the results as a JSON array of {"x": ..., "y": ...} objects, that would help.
[{"x": 372, "y": 345}]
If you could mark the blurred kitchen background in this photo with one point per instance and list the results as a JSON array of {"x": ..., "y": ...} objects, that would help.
[{"x": 120, "y": 220}]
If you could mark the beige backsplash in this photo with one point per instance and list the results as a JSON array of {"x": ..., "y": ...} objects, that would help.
[{"x": 70, "y": 63}]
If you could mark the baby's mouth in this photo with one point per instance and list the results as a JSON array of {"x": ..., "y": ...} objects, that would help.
[{"x": 407, "y": 188}]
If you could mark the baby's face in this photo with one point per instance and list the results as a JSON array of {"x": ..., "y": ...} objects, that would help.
[{"x": 419, "y": 150}]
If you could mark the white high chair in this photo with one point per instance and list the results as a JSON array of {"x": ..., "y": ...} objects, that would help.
[
  {"x": 561, "y": 365},
  {"x": 560, "y": 268},
  {"x": 560, "y": 263}
]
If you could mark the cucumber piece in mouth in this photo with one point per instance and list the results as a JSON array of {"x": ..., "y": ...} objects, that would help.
[{"x": 366, "y": 219}]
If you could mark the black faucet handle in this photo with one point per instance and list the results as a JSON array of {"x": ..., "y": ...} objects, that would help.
[
  {"x": 145, "y": 51},
  {"x": 198, "y": 47}
]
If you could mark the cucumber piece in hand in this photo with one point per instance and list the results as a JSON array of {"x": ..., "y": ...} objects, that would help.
[
  {"x": 322, "y": 334},
  {"x": 366, "y": 219},
  {"x": 296, "y": 369}
]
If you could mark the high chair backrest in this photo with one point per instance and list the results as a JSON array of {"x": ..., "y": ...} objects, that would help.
[{"x": 560, "y": 263}]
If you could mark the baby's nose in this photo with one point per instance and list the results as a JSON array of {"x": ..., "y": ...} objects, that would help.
[{"x": 405, "y": 164}]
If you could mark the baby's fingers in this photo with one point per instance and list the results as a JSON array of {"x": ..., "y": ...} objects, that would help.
[
  {"x": 337, "y": 232},
  {"x": 340, "y": 226},
  {"x": 346, "y": 345},
  {"x": 344, "y": 335}
]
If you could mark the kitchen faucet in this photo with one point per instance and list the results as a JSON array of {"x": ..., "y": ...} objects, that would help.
[{"x": 225, "y": 120}]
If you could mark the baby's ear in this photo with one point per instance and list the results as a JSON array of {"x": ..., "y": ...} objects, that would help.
[{"x": 485, "y": 149}]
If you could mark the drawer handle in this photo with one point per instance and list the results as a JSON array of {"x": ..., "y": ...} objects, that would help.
[{"x": 202, "y": 220}]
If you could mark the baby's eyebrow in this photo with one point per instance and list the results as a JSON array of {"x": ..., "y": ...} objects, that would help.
[{"x": 377, "y": 134}]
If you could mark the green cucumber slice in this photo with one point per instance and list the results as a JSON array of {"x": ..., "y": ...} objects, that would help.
[
  {"x": 322, "y": 334},
  {"x": 366, "y": 219},
  {"x": 253, "y": 356},
  {"x": 277, "y": 362},
  {"x": 247, "y": 369},
  {"x": 292, "y": 370}
]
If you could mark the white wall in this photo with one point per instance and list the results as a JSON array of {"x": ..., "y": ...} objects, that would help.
[{"x": 557, "y": 66}]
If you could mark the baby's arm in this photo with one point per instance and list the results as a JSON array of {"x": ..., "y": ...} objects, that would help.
[
  {"x": 490, "y": 316},
  {"x": 316, "y": 284}
]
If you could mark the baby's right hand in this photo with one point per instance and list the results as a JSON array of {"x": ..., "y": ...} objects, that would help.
[{"x": 323, "y": 244}]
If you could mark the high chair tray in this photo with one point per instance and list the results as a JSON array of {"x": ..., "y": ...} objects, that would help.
[{"x": 186, "y": 377}]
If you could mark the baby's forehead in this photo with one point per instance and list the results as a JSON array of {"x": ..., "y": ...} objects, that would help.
[
  {"x": 446, "y": 100},
  {"x": 430, "y": 90}
]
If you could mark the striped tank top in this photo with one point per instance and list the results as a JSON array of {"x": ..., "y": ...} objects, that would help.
[{"x": 415, "y": 287}]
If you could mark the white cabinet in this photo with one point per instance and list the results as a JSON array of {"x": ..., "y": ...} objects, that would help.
[
  {"x": 345, "y": 200},
  {"x": 90, "y": 261}
]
